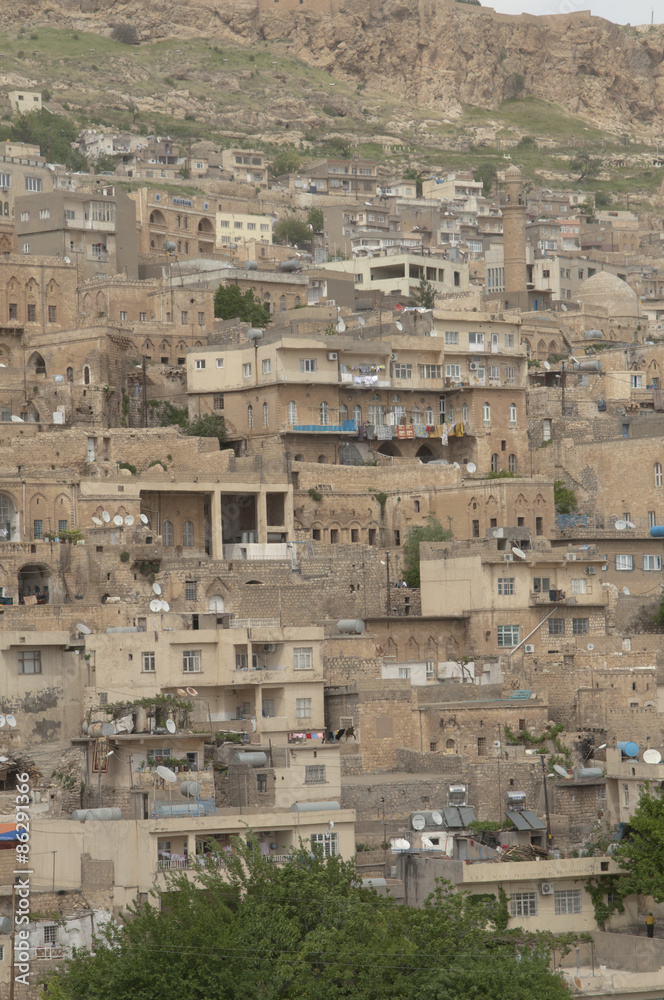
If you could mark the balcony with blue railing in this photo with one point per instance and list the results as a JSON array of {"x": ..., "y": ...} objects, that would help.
[
  {"x": 346, "y": 427},
  {"x": 598, "y": 525}
]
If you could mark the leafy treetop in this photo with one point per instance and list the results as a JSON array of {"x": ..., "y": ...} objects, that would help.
[
  {"x": 432, "y": 531},
  {"x": 231, "y": 303}
]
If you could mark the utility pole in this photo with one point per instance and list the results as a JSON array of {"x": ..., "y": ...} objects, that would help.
[
  {"x": 546, "y": 802},
  {"x": 145, "y": 393},
  {"x": 562, "y": 388},
  {"x": 387, "y": 572}
]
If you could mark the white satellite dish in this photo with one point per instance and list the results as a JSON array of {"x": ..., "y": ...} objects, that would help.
[
  {"x": 437, "y": 818},
  {"x": 652, "y": 757},
  {"x": 118, "y": 520},
  {"x": 418, "y": 822},
  {"x": 2, "y": 721},
  {"x": 15, "y": 419},
  {"x": 156, "y": 589},
  {"x": 625, "y": 591},
  {"x": 83, "y": 629},
  {"x": 456, "y": 465},
  {"x": 108, "y": 729},
  {"x": 560, "y": 770},
  {"x": 590, "y": 646},
  {"x": 105, "y": 516},
  {"x": 361, "y": 321},
  {"x": 399, "y": 326},
  {"x": 155, "y": 606},
  {"x": 400, "y": 844},
  {"x": 165, "y": 606},
  {"x": 471, "y": 467},
  {"x": 630, "y": 524},
  {"x": 620, "y": 525},
  {"x": 181, "y": 693},
  {"x": 11, "y": 721},
  {"x": 97, "y": 520},
  {"x": 3, "y": 760},
  {"x": 170, "y": 725},
  {"x": 531, "y": 753},
  {"x": 166, "y": 773},
  {"x": 58, "y": 378},
  {"x": 144, "y": 519},
  {"x": 518, "y": 552},
  {"x": 129, "y": 520},
  {"x": 192, "y": 692},
  {"x": 546, "y": 366},
  {"x": 496, "y": 744}
]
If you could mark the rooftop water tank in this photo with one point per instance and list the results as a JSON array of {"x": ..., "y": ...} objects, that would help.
[
  {"x": 589, "y": 772},
  {"x": 255, "y": 759},
  {"x": 105, "y": 814},
  {"x": 314, "y": 806},
  {"x": 628, "y": 748},
  {"x": 250, "y": 265},
  {"x": 354, "y": 626},
  {"x": 657, "y": 531}
]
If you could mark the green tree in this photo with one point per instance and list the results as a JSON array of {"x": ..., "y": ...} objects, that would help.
[
  {"x": 316, "y": 219},
  {"x": 107, "y": 162},
  {"x": 125, "y": 33},
  {"x": 411, "y": 174},
  {"x": 307, "y": 929},
  {"x": 641, "y": 854},
  {"x": 585, "y": 165},
  {"x": 432, "y": 531},
  {"x": 424, "y": 295},
  {"x": 486, "y": 173},
  {"x": 291, "y": 231},
  {"x": 208, "y": 426},
  {"x": 286, "y": 161},
  {"x": 564, "y": 498},
  {"x": 231, "y": 303},
  {"x": 514, "y": 85},
  {"x": 54, "y": 135}
]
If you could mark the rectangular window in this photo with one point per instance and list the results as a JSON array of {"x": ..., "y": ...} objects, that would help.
[
  {"x": 328, "y": 841},
  {"x": 476, "y": 340},
  {"x": 431, "y": 371},
  {"x": 267, "y": 366},
  {"x": 190, "y": 590},
  {"x": 451, "y": 337},
  {"x": 29, "y": 661},
  {"x": 556, "y": 626},
  {"x": 32, "y": 314},
  {"x": 579, "y": 586},
  {"x": 404, "y": 673},
  {"x": 13, "y": 310},
  {"x": 453, "y": 371},
  {"x": 624, "y": 562},
  {"x": 523, "y": 904},
  {"x": 33, "y": 184},
  {"x": 52, "y": 314},
  {"x": 44, "y": 213},
  {"x": 509, "y": 340},
  {"x": 268, "y": 708},
  {"x": 494, "y": 372},
  {"x": 510, "y": 374},
  {"x": 143, "y": 317},
  {"x": 567, "y": 901},
  {"x": 308, "y": 364},
  {"x": 148, "y": 662},
  {"x": 5, "y": 180},
  {"x": 429, "y": 669},
  {"x": 580, "y": 626},
  {"x": 37, "y": 529},
  {"x": 508, "y": 635},
  {"x": 201, "y": 319},
  {"x": 652, "y": 516},
  {"x": 505, "y": 585},
  {"x": 184, "y": 317},
  {"x": 303, "y": 658},
  {"x": 200, "y": 364},
  {"x": 51, "y": 934},
  {"x": 218, "y": 401},
  {"x": 191, "y": 661},
  {"x": 246, "y": 370},
  {"x": 261, "y": 782},
  {"x": 314, "y": 774},
  {"x": 403, "y": 371},
  {"x": 303, "y": 708},
  {"x": 652, "y": 562},
  {"x": 481, "y": 746},
  {"x": 26, "y": 248},
  {"x": 541, "y": 584},
  {"x": 25, "y": 216},
  {"x": 123, "y": 314},
  {"x": 62, "y": 525},
  {"x": 636, "y": 381}
]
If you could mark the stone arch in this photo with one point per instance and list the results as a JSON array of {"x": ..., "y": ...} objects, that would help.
[
  {"x": 5, "y": 239},
  {"x": 34, "y": 580},
  {"x": 13, "y": 284},
  {"x": 389, "y": 448},
  {"x": 413, "y": 648},
  {"x": 61, "y": 511},
  {"x": 541, "y": 346},
  {"x": 392, "y": 648},
  {"x": 424, "y": 453},
  {"x": 205, "y": 226},
  {"x": 157, "y": 218},
  {"x": 553, "y": 347},
  {"x": 36, "y": 364},
  {"x": 5, "y": 355},
  {"x": 100, "y": 304},
  {"x": 9, "y": 523}
]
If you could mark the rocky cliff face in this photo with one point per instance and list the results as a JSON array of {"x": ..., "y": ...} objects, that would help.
[{"x": 432, "y": 53}]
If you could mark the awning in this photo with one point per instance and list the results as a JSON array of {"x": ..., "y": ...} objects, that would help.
[
  {"x": 525, "y": 820},
  {"x": 8, "y": 831}
]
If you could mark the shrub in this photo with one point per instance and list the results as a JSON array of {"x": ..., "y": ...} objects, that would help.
[
  {"x": 125, "y": 33},
  {"x": 124, "y": 556}
]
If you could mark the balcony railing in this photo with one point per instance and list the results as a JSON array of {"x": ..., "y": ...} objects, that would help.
[
  {"x": 48, "y": 952},
  {"x": 347, "y": 427}
]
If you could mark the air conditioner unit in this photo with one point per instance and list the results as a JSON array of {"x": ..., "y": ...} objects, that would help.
[
  {"x": 590, "y": 570},
  {"x": 571, "y": 557},
  {"x": 508, "y": 557},
  {"x": 394, "y": 357},
  {"x": 269, "y": 647},
  {"x": 473, "y": 366},
  {"x": 547, "y": 888},
  {"x": 529, "y": 648},
  {"x": 330, "y": 302},
  {"x": 333, "y": 356}
]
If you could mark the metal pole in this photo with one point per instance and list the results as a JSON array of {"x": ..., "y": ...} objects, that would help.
[
  {"x": 562, "y": 387},
  {"x": 546, "y": 802},
  {"x": 387, "y": 570},
  {"x": 145, "y": 394}
]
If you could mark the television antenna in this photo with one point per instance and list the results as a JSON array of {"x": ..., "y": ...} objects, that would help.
[{"x": 83, "y": 629}]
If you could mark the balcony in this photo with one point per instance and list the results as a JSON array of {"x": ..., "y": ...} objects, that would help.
[
  {"x": 49, "y": 952},
  {"x": 547, "y": 597},
  {"x": 347, "y": 427}
]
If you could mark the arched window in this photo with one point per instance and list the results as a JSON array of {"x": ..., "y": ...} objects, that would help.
[
  {"x": 188, "y": 535},
  {"x": 70, "y": 374},
  {"x": 486, "y": 414},
  {"x": 266, "y": 415},
  {"x": 6, "y": 208},
  {"x": 450, "y": 746},
  {"x": 185, "y": 222},
  {"x": 494, "y": 462},
  {"x": 428, "y": 416},
  {"x": 292, "y": 412},
  {"x": 324, "y": 414},
  {"x": 658, "y": 473},
  {"x": 450, "y": 413},
  {"x": 298, "y": 301},
  {"x": 512, "y": 414},
  {"x": 464, "y": 413},
  {"x": 511, "y": 463},
  {"x": 250, "y": 417},
  {"x": 343, "y": 413},
  {"x": 167, "y": 534},
  {"x": 86, "y": 375},
  {"x": 282, "y": 303},
  {"x": 416, "y": 414},
  {"x": 357, "y": 413}
]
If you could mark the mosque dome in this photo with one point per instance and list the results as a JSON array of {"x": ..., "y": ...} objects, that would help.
[{"x": 610, "y": 295}]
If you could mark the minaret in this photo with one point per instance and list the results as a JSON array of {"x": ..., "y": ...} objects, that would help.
[{"x": 514, "y": 238}]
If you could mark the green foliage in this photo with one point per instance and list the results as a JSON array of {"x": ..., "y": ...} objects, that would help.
[
  {"x": 46, "y": 94},
  {"x": 503, "y": 474},
  {"x": 486, "y": 173},
  {"x": 424, "y": 294},
  {"x": 107, "y": 162},
  {"x": 286, "y": 161},
  {"x": 231, "y": 303},
  {"x": 124, "y": 556},
  {"x": 291, "y": 232},
  {"x": 174, "y": 416},
  {"x": 157, "y": 461},
  {"x": 411, "y": 174},
  {"x": 125, "y": 33},
  {"x": 256, "y": 930},
  {"x": 484, "y": 826},
  {"x": 382, "y": 500},
  {"x": 432, "y": 531},
  {"x": 585, "y": 165},
  {"x": 514, "y": 85},
  {"x": 208, "y": 425},
  {"x": 127, "y": 465},
  {"x": 564, "y": 498},
  {"x": 330, "y": 110},
  {"x": 54, "y": 134},
  {"x": 641, "y": 855},
  {"x": 159, "y": 701},
  {"x": 149, "y": 569},
  {"x": 598, "y": 890},
  {"x": 316, "y": 218},
  {"x": 314, "y": 494}
]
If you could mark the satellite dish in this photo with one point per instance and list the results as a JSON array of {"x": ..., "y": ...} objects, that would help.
[
  {"x": 58, "y": 378},
  {"x": 418, "y": 822},
  {"x": 144, "y": 519},
  {"x": 496, "y": 744},
  {"x": 11, "y": 721},
  {"x": 546, "y": 366},
  {"x": 471, "y": 467},
  {"x": 118, "y": 520},
  {"x": 2, "y": 721},
  {"x": 156, "y": 588},
  {"x": 170, "y": 725},
  {"x": 437, "y": 818},
  {"x": 630, "y": 524},
  {"x": 590, "y": 646},
  {"x": 560, "y": 770},
  {"x": 129, "y": 520},
  {"x": 518, "y": 552},
  {"x": 192, "y": 691},
  {"x": 83, "y": 629},
  {"x": 531, "y": 753},
  {"x": 105, "y": 516},
  {"x": 15, "y": 419},
  {"x": 456, "y": 465},
  {"x": 649, "y": 757},
  {"x": 620, "y": 525},
  {"x": 341, "y": 326},
  {"x": 155, "y": 606},
  {"x": 108, "y": 729},
  {"x": 98, "y": 521},
  {"x": 67, "y": 260},
  {"x": 3, "y": 760},
  {"x": 181, "y": 693},
  {"x": 166, "y": 773},
  {"x": 164, "y": 606},
  {"x": 399, "y": 326},
  {"x": 625, "y": 591}
]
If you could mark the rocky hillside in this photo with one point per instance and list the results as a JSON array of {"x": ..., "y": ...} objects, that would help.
[{"x": 432, "y": 53}]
